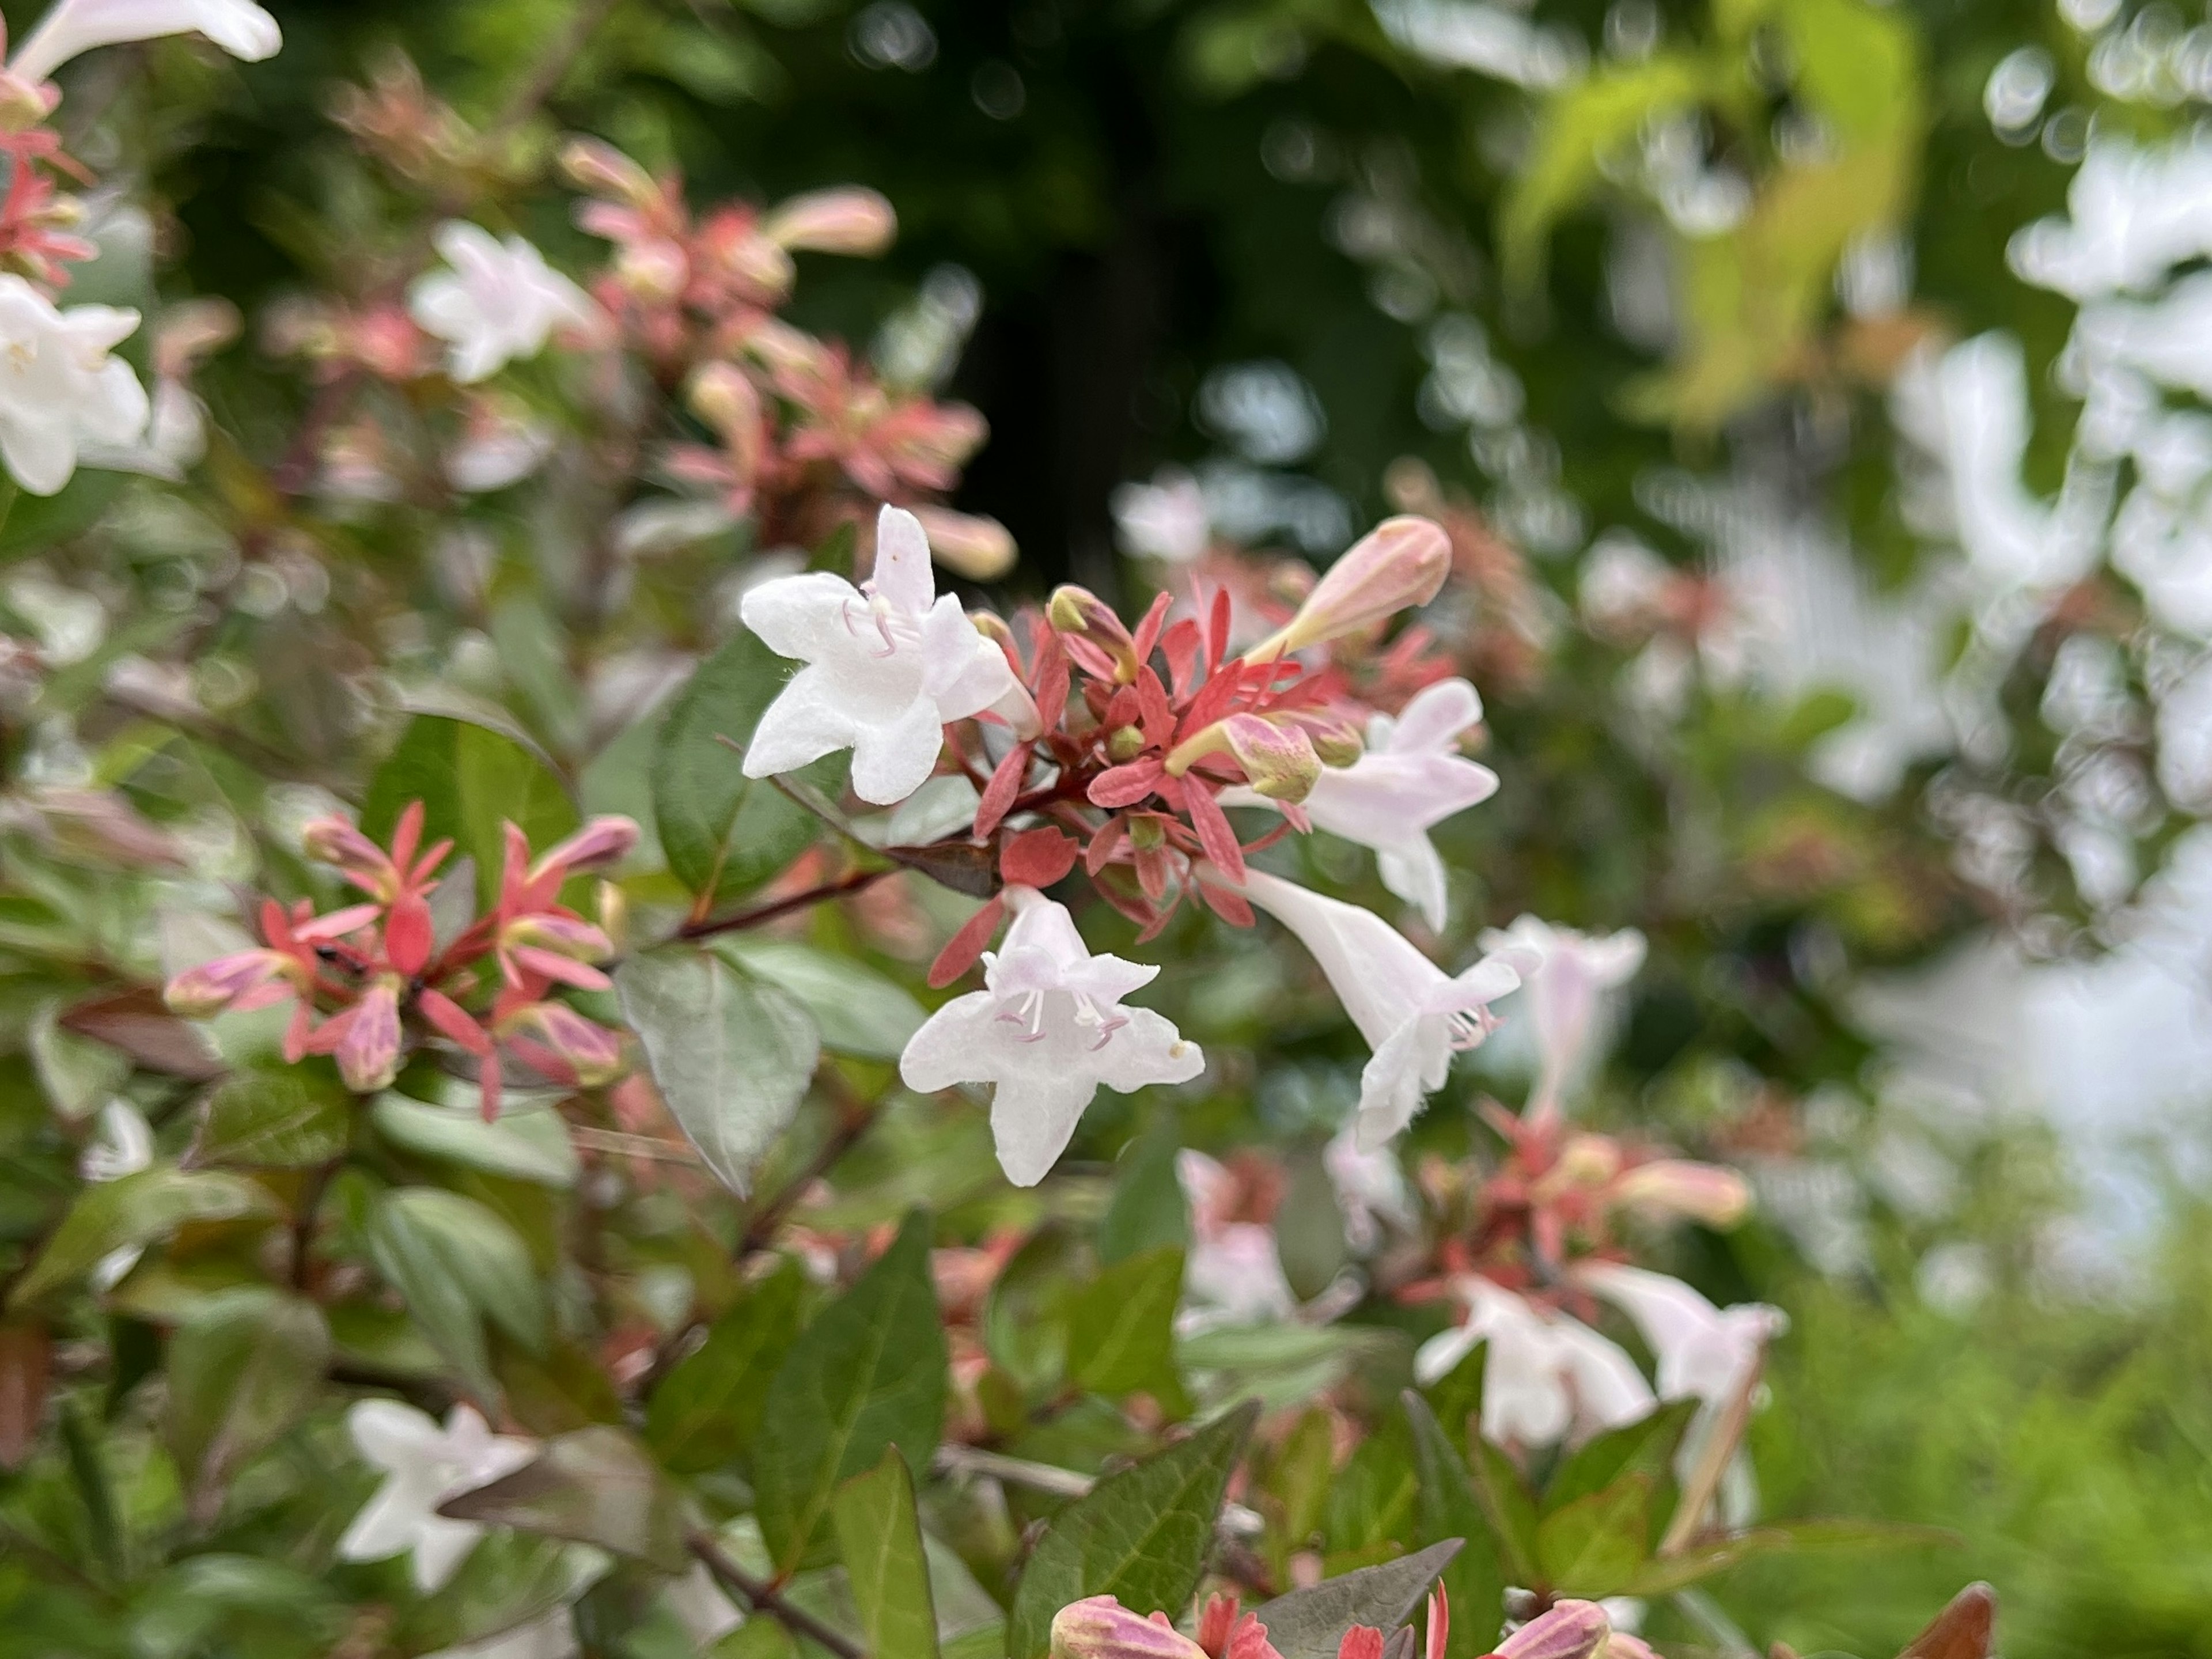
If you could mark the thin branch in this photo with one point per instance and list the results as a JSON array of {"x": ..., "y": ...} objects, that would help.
[
  {"x": 783, "y": 907},
  {"x": 626, "y": 1145},
  {"x": 1704, "y": 1478},
  {"x": 1236, "y": 1523},
  {"x": 762, "y": 1597},
  {"x": 854, "y": 1118}
]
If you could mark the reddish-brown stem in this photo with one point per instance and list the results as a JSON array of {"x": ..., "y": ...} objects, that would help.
[
  {"x": 783, "y": 907},
  {"x": 762, "y": 1597}
]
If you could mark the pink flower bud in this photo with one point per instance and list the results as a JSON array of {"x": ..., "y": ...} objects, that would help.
[
  {"x": 1675, "y": 1186},
  {"x": 967, "y": 544},
  {"x": 1278, "y": 760},
  {"x": 605, "y": 171},
  {"x": 849, "y": 220},
  {"x": 1571, "y": 1630},
  {"x": 723, "y": 396},
  {"x": 367, "y": 1044},
  {"x": 334, "y": 841},
  {"x": 1099, "y": 1627},
  {"x": 1402, "y": 561},
  {"x": 248, "y": 979},
  {"x": 604, "y": 841},
  {"x": 654, "y": 268},
  {"x": 592, "y": 1050}
]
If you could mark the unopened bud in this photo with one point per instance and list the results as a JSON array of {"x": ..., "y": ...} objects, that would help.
[
  {"x": 968, "y": 545},
  {"x": 1675, "y": 1186},
  {"x": 1078, "y": 610},
  {"x": 849, "y": 220},
  {"x": 1589, "y": 1160},
  {"x": 992, "y": 627},
  {"x": 1147, "y": 834},
  {"x": 605, "y": 171},
  {"x": 653, "y": 270},
  {"x": 1338, "y": 742},
  {"x": 723, "y": 396},
  {"x": 1571, "y": 1630},
  {"x": 1099, "y": 1627},
  {"x": 604, "y": 841},
  {"x": 613, "y": 906},
  {"x": 785, "y": 349},
  {"x": 1124, "y": 743},
  {"x": 1278, "y": 760},
  {"x": 1400, "y": 562}
]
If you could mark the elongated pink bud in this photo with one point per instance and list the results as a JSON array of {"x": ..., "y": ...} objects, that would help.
[
  {"x": 1676, "y": 1186},
  {"x": 1402, "y": 561},
  {"x": 967, "y": 544},
  {"x": 851, "y": 221},
  {"x": 1278, "y": 760},
  {"x": 593, "y": 1051},
  {"x": 215, "y": 986},
  {"x": 1571, "y": 1630},
  {"x": 1099, "y": 1627},
  {"x": 333, "y": 841},
  {"x": 604, "y": 841},
  {"x": 368, "y": 1053},
  {"x": 605, "y": 171}
]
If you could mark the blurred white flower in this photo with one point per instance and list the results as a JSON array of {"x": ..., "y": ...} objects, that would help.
[
  {"x": 2133, "y": 214},
  {"x": 1548, "y": 1377},
  {"x": 500, "y": 446},
  {"x": 122, "y": 1146},
  {"x": 1413, "y": 1014},
  {"x": 59, "y": 389},
  {"x": 1705, "y": 1353},
  {"x": 1234, "y": 1274},
  {"x": 887, "y": 666},
  {"x": 1565, "y": 980},
  {"x": 423, "y": 1465},
  {"x": 1370, "y": 1188},
  {"x": 496, "y": 303},
  {"x": 1046, "y": 1030},
  {"x": 1164, "y": 519},
  {"x": 71, "y": 26}
]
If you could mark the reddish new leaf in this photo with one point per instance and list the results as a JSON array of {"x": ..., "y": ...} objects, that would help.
[
  {"x": 1000, "y": 792},
  {"x": 1214, "y": 834},
  {"x": 1037, "y": 858},
  {"x": 1125, "y": 786},
  {"x": 961, "y": 950}
]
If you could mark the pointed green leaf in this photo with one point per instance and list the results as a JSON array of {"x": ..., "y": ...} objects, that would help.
[
  {"x": 722, "y": 833},
  {"x": 244, "y": 1366},
  {"x": 1148, "y": 1209},
  {"x": 458, "y": 1264},
  {"x": 1594, "y": 1546},
  {"x": 1310, "y": 1624},
  {"x": 705, "y": 1411},
  {"x": 857, "y": 1010},
  {"x": 732, "y": 1057},
  {"x": 880, "y": 1538},
  {"x": 868, "y": 1374},
  {"x": 1120, "y": 1327},
  {"x": 1141, "y": 1536},
  {"x": 270, "y": 1117},
  {"x": 1649, "y": 1445},
  {"x": 1449, "y": 1508},
  {"x": 125, "y": 1214}
]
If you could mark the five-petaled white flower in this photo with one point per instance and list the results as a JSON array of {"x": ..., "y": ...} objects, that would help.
[
  {"x": 1568, "y": 975},
  {"x": 1704, "y": 1352},
  {"x": 887, "y": 665},
  {"x": 59, "y": 388},
  {"x": 496, "y": 302},
  {"x": 70, "y": 26},
  {"x": 1411, "y": 778},
  {"x": 1413, "y": 1014},
  {"x": 1046, "y": 1030},
  {"x": 424, "y": 1466},
  {"x": 1548, "y": 1377}
]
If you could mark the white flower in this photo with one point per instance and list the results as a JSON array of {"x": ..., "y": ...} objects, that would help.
[
  {"x": 1234, "y": 1274},
  {"x": 1046, "y": 1030},
  {"x": 1165, "y": 519},
  {"x": 123, "y": 1146},
  {"x": 1370, "y": 1188},
  {"x": 1547, "y": 1377},
  {"x": 1566, "y": 978},
  {"x": 59, "y": 389},
  {"x": 552, "y": 1637},
  {"x": 503, "y": 447},
  {"x": 887, "y": 666},
  {"x": 424, "y": 1466},
  {"x": 70, "y": 26},
  {"x": 1411, "y": 777},
  {"x": 1412, "y": 1014},
  {"x": 497, "y": 302},
  {"x": 1704, "y": 1352}
]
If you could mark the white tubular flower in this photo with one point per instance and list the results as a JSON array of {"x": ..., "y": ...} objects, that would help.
[
  {"x": 887, "y": 665},
  {"x": 1046, "y": 1030},
  {"x": 59, "y": 388},
  {"x": 496, "y": 303},
  {"x": 1568, "y": 977},
  {"x": 71, "y": 26},
  {"x": 1704, "y": 1352},
  {"x": 1370, "y": 1190},
  {"x": 424, "y": 1466},
  {"x": 1548, "y": 1377},
  {"x": 1412, "y": 1014},
  {"x": 1411, "y": 777}
]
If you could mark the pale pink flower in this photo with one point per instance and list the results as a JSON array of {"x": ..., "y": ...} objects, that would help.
[
  {"x": 496, "y": 302},
  {"x": 1704, "y": 1352},
  {"x": 424, "y": 1466},
  {"x": 1568, "y": 975},
  {"x": 1548, "y": 1377}
]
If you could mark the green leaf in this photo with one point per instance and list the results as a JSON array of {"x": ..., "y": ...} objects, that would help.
[
  {"x": 1372, "y": 1500},
  {"x": 1666, "y": 1574},
  {"x": 1310, "y": 1624},
  {"x": 706, "y": 1411},
  {"x": 722, "y": 833},
  {"x": 458, "y": 1264},
  {"x": 509, "y": 1579},
  {"x": 1148, "y": 1208},
  {"x": 595, "y": 1486},
  {"x": 1141, "y": 1536},
  {"x": 732, "y": 1057},
  {"x": 1649, "y": 1445},
  {"x": 1120, "y": 1327},
  {"x": 1594, "y": 1546},
  {"x": 244, "y": 1366},
  {"x": 1450, "y": 1507},
  {"x": 471, "y": 780},
  {"x": 529, "y": 1142},
  {"x": 125, "y": 1214},
  {"x": 1310, "y": 1228},
  {"x": 857, "y": 1010},
  {"x": 291, "y": 1117},
  {"x": 880, "y": 1538},
  {"x": 868, "y": 1374}
]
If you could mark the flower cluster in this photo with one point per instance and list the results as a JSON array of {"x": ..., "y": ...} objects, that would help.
[{"x": 364, "y": 979}]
